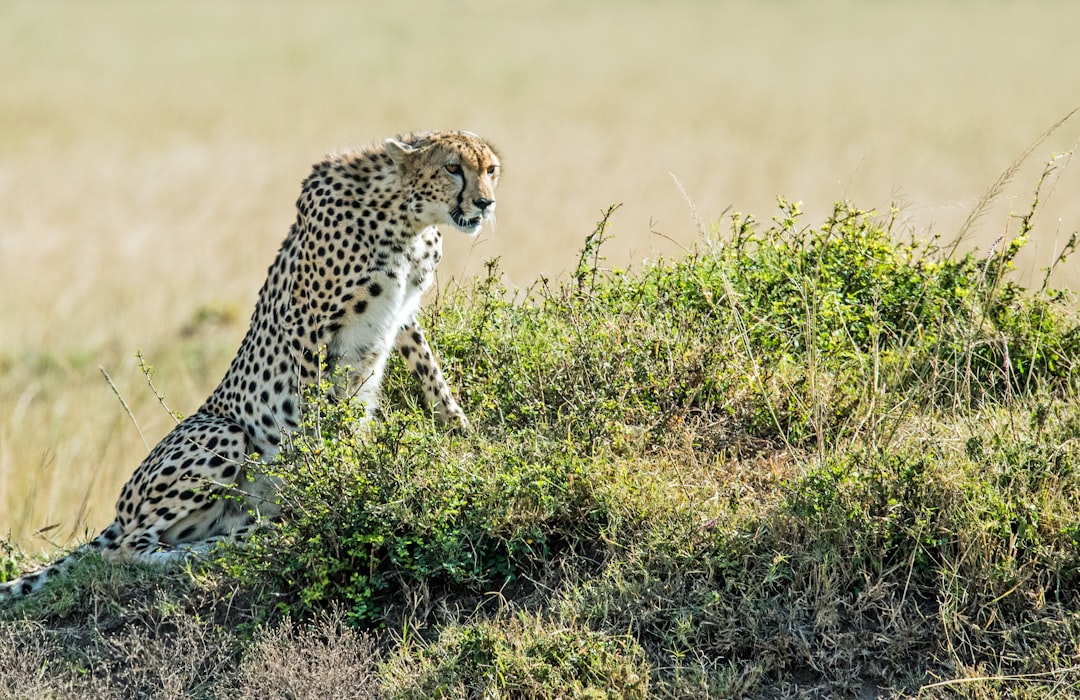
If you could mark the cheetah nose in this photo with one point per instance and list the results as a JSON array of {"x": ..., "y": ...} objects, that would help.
[{"x": 482, "y": 203}]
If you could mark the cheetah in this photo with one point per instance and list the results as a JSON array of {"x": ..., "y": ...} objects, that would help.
[{"x": 342, "y": 293}]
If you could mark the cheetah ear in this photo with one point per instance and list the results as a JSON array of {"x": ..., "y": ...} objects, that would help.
[{"x": 399, "y": 150}]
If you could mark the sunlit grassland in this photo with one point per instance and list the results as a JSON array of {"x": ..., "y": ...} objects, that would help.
[{"x": 150, "y": 155}]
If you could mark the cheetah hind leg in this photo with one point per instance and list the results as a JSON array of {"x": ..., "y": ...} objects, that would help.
[
  {"x": 193, "y": 490},
  {"x": 206, "y": 493}
]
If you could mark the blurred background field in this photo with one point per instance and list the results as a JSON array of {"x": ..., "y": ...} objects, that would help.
[{"x": 150, "y": 155}]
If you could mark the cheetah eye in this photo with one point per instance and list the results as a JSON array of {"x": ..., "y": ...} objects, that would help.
[
  {"x": 453, "y": 168},
  {"x": 491, "y": 170}
]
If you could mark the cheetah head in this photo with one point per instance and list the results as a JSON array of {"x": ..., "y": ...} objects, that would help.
[{"x": 452, "y": 176}]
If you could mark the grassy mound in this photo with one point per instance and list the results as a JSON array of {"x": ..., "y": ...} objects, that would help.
[{"x": 802, "y": 460}]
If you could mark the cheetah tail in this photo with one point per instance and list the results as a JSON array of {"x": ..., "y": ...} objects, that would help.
[{"x": 28, "y": 584}]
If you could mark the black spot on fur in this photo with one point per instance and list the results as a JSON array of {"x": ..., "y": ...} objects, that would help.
[{"x": 186, "y": 534}]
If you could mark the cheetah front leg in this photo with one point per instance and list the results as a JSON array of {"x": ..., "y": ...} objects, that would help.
[{"x": 414, "y": 347}]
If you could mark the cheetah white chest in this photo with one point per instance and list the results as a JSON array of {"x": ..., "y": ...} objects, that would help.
[{"x": 388, "y": 298}]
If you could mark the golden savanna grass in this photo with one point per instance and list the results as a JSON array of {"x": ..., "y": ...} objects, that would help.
[{"x": 150, "y": 155}]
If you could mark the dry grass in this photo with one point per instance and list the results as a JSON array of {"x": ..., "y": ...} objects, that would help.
[
  {"x": 177, "y": 654},
  {"x": 150, "y": 156}
]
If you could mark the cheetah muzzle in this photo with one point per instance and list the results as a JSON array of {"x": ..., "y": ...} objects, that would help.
[{"x": 469, "y": 226}]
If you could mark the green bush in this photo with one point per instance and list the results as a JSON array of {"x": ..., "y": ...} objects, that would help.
[
  {"x": 818, "y": 341},
  {"x": 366, "y": 514},
  {"x": 526, "y": 658},
  {"x": 788, "y": 333}
]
